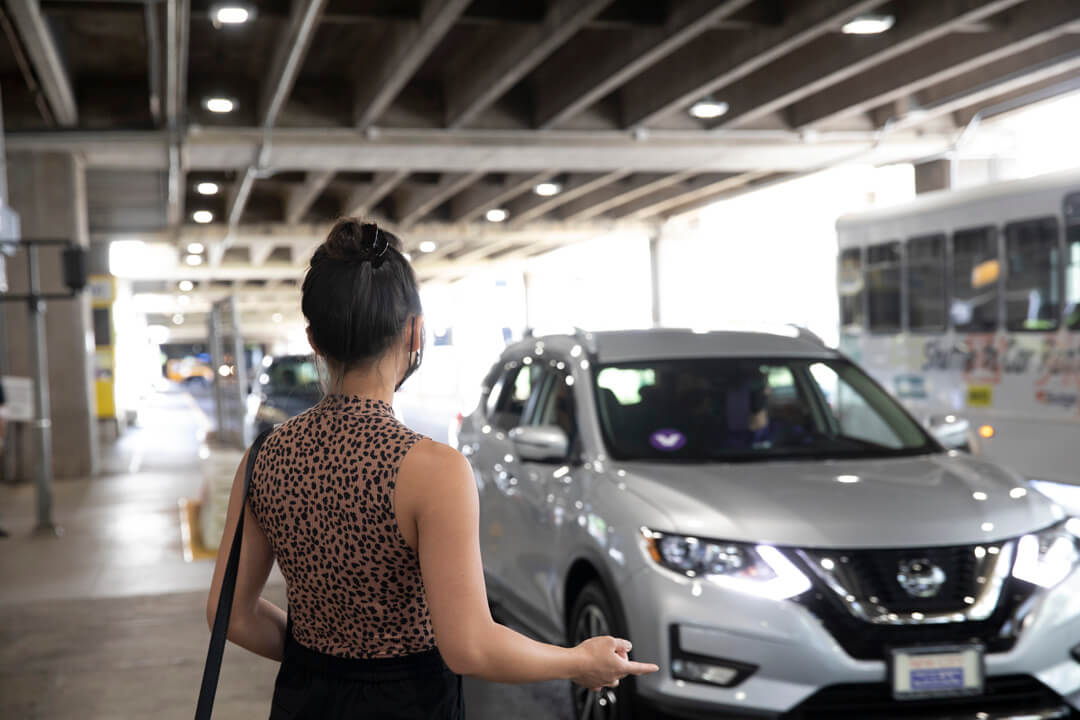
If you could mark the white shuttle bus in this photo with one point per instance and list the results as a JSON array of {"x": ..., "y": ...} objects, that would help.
[{"x": 966, "y": 305}]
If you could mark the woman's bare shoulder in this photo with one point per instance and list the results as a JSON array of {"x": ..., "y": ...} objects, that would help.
[{"x": 430, "y": 459}]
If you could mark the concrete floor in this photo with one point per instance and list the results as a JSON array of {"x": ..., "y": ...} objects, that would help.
[{"x": 107, "y": 621}]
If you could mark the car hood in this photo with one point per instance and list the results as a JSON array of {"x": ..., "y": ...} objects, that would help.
[{"x": 922, "y": 501}]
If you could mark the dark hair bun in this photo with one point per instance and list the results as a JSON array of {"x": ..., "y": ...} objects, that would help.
[
  {"x": 359, "y": 293},
  {"x": 353, "y": 241}
]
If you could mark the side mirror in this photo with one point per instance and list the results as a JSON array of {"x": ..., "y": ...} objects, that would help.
[
  {"x": 952, "y": 431},
  {"x": 540, "y": 443}
]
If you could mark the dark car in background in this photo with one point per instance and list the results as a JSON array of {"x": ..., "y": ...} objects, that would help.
[{"x": 287, "y": 387}]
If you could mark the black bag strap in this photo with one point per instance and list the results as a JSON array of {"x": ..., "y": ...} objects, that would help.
[{"x": 218, "y": 635}]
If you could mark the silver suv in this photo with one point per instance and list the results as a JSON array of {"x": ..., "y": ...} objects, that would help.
[{"x": 768, "y": 525}]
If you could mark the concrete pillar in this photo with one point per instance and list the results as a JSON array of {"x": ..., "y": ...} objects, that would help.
[
  {"x": 48, "y": 190},
  {"x": 934, "y": 175}
]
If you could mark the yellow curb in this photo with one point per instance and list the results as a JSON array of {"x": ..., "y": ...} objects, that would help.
[{"x": 189, "y": 531}]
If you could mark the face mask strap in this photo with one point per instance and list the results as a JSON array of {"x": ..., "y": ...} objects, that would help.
[{"x": 415, "y": 358}]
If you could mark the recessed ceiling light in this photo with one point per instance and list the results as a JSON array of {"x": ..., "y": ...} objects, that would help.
[
  {"x": 547, "y": 189},
  {"x": 219, "y": 104},
  {"x": 178, "y": 319},
  {"x": 207, "y": 188},
  {"x": 186, "y": 286},
  {"x": 276, "y": 317},
  {"x": 427, "y": 246},
  {"x": 193, "y": 260},
  {"x": 496, "y": 215},
  {"x": 202, "y": 217},
  {"x": 707, "y": 108},
  {"x": 868, "y": 24},
  {"x": 231, "y": 14},
  {"x": 196, "y": 248}
]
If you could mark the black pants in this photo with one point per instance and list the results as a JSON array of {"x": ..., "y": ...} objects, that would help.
[{"x": 314, "y": 685}]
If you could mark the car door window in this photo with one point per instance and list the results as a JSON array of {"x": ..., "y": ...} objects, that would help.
[
  {"x": 513, "y": 393},
  {"x": 557, "y": 404}
]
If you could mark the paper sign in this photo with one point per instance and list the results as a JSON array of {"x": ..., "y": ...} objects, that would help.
[
  {"x": 980, "y": 396},
  {"x": 19, "y": 398}
]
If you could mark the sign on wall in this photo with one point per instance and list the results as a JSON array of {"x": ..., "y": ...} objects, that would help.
[{"x": 19, "y": 398}]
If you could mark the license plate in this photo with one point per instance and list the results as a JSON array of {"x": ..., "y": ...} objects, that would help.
[{"x": 919, "y": 673}]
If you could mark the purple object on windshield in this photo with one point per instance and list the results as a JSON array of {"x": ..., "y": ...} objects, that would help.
[{"x": 667, "y": 440}]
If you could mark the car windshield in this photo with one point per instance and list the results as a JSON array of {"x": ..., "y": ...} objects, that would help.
[
  {"x": 291, "y": 376},
  {"x": 742, "y": 409}
]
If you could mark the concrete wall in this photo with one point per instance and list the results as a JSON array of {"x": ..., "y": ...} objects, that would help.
[{"x": 48, "y": 191}]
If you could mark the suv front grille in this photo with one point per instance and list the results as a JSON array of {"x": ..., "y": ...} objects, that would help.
[
  {"x": 877, "y": 571},
  {"x": 872, "y": 574}
]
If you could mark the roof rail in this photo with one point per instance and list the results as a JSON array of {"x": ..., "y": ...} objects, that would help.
[
  {"x": 582, "y": 336},
  {"x": 807, "y": 334}
]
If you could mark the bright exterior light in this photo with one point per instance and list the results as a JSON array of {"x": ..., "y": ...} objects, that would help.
[
  {"x": 186, "y": 286},
  {"x": 427, "y": 246},
  {"x": 196, "y": 248},
  {"x": 193, "y": 260},
  {"x": 202, "y": 217},
  {"x": 231, "y": 15},
  {"x": 547, "y": 189},
  {"x": 158, "y": 334},
  {"x": 496, "y": 215},
  {"x": 178, "y": 319},
  {"x": 220, "y": 105},
  {"x": 207, "y": 188},
  {"x": 986, "y": 432},
  {"x": 868, "y": 24},
  {"x": 224, "y": 371},
  {"x": 707, "y": 109}
]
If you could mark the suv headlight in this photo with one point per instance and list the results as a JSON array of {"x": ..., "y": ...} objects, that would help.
[
  {"x": 759, "y": 570},
  {"x": 1046, "y": 558}
]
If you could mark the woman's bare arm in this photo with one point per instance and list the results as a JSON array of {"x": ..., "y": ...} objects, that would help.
[
  {"x": 255, "y": 624},
  {"x": 437, "y": 506}
]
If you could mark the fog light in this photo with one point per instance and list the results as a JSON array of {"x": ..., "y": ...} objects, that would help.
[
  {"x": 703, "y": 672},
  {"x": 698, "y": 668}
]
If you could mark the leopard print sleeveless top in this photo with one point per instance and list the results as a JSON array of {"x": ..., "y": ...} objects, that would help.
[{"x": 323, "y": 492}]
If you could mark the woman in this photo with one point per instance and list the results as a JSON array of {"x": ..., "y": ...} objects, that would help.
[{"x": 374, "y": 527}]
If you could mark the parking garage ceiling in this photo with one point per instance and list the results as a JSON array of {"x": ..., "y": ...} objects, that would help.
[{"x": 426, "y": 114}]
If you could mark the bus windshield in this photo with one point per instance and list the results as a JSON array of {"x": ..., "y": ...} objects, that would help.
[{"x": 744, "y": 409}]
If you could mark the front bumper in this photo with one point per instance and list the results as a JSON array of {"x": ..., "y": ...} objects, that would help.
[{"x": 798, "y": 659}]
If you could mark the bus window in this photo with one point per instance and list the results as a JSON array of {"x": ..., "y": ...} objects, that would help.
[
  {"x": 975, "y": 274},
  {"x": 926, "y": 283},
  {"x": 883, "y": 285},
  {"x": 1032, "y": 293},
  {"x": 851, "y": 289},
  {"x": 1072, "y": 261}
]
